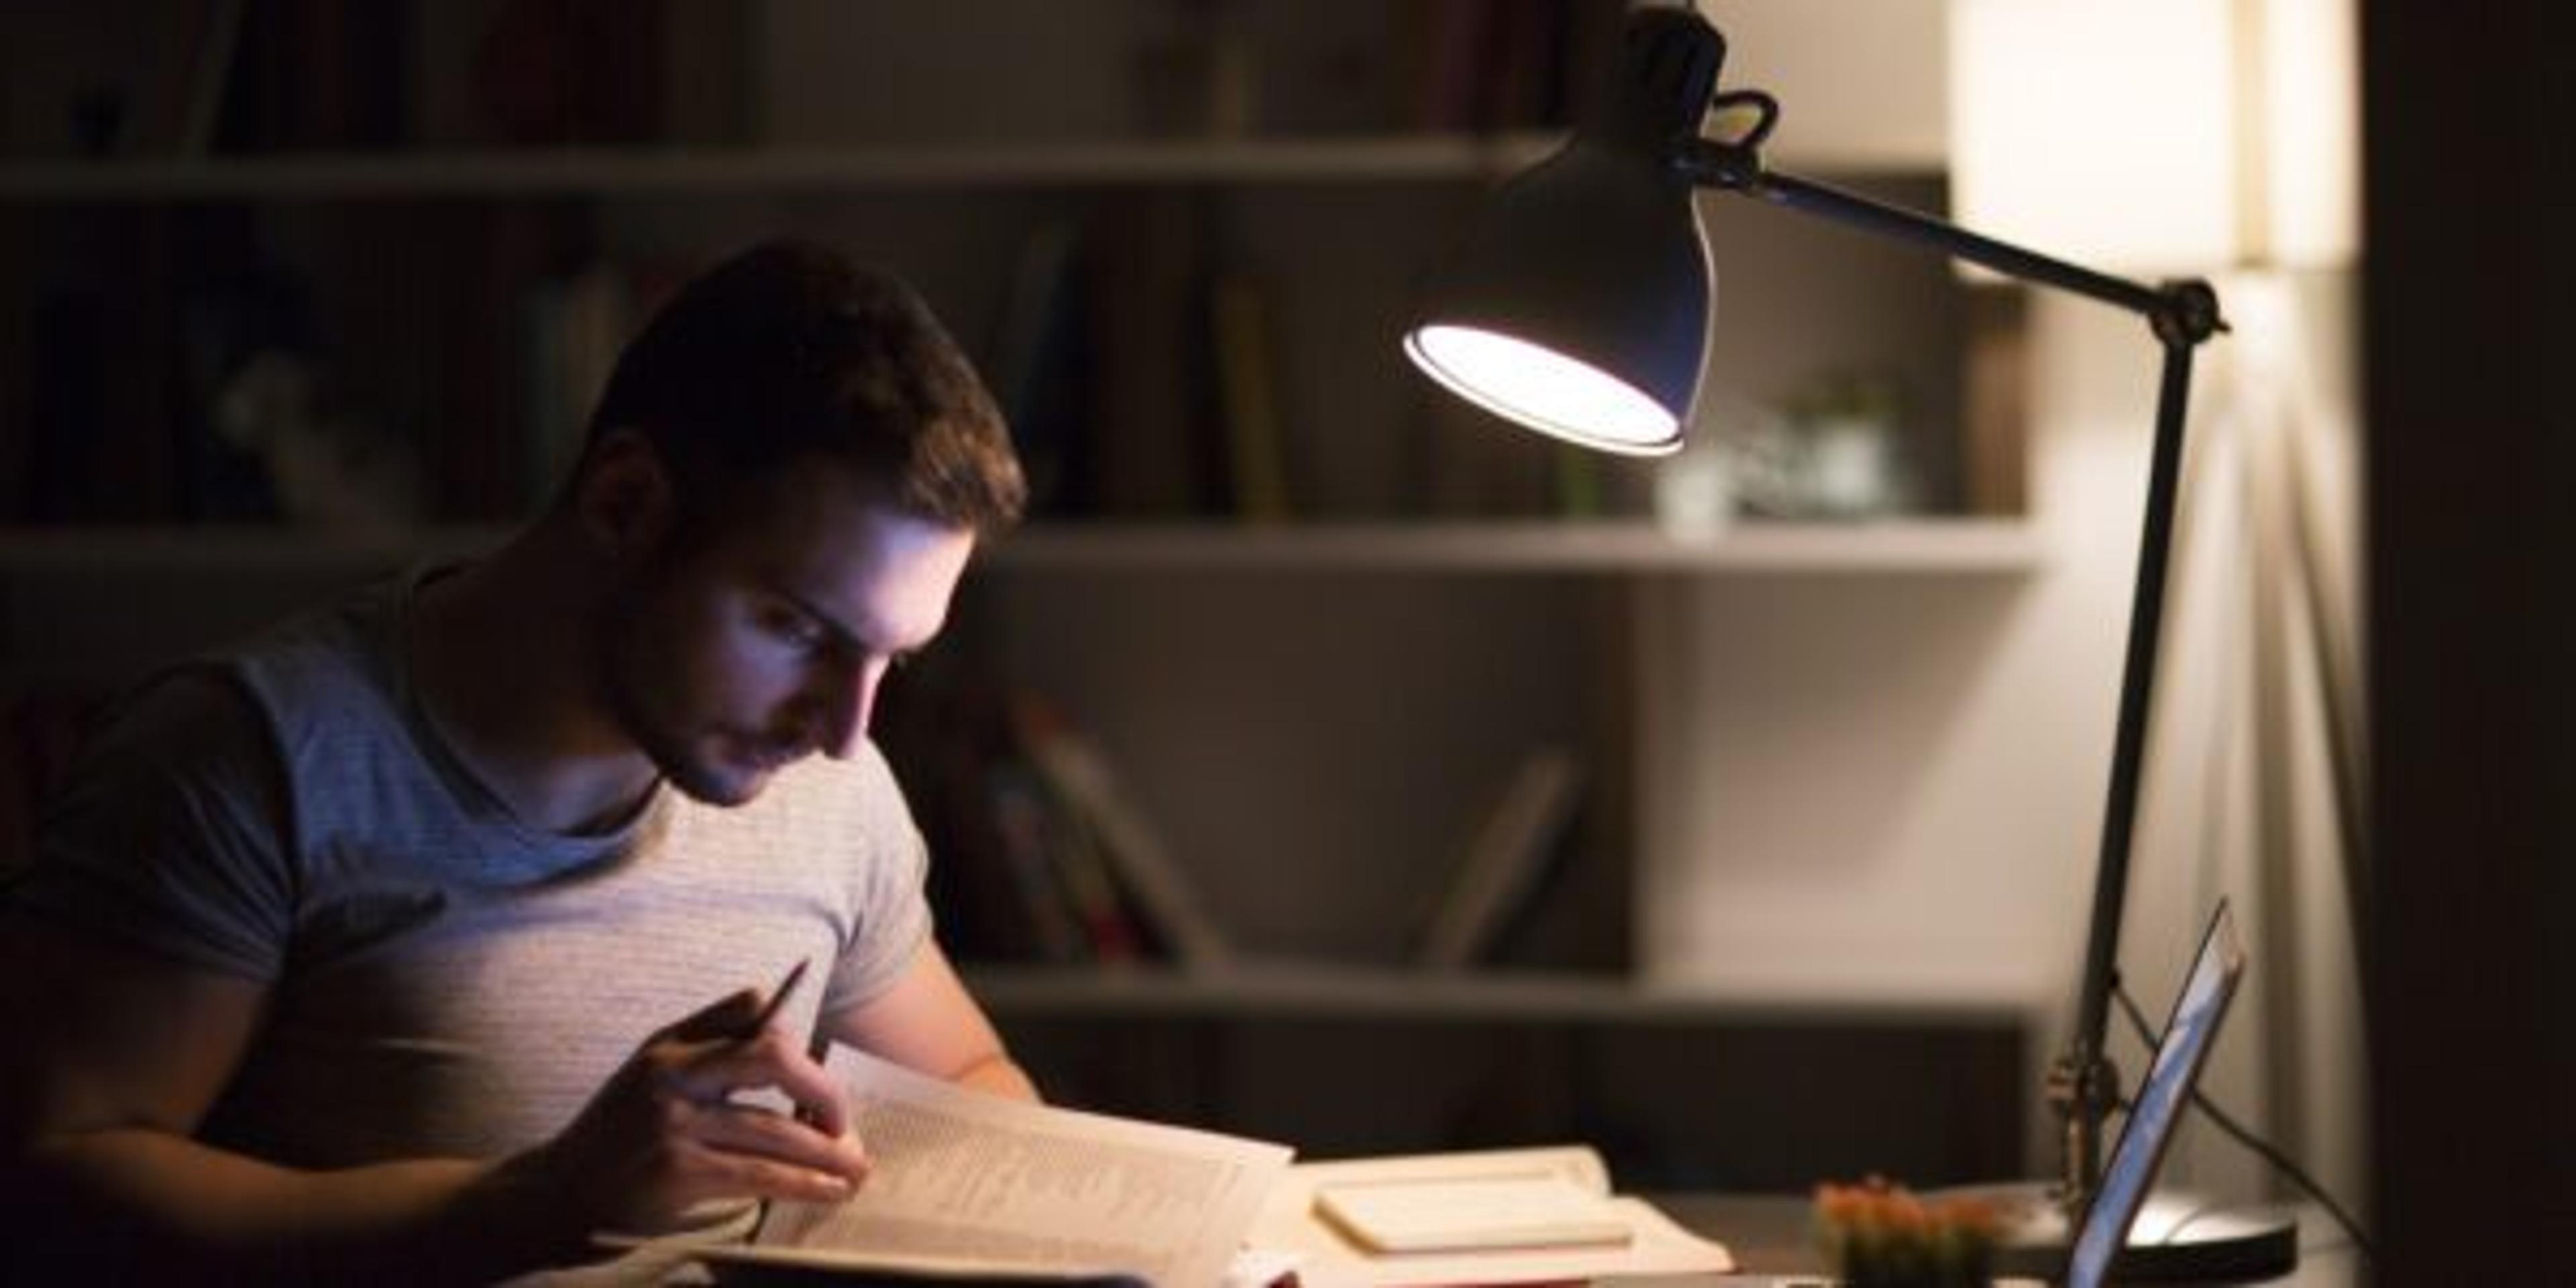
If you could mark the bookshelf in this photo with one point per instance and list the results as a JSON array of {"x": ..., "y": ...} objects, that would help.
[
  {"x": 1362, "y": 142},
  {"x": 1312, "y": 709}
]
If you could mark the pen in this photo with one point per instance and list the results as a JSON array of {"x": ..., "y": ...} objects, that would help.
[{"x": 777, "y": 998}]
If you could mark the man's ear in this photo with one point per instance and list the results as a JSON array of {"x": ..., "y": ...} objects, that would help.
[{"x": 622, "y": 497}]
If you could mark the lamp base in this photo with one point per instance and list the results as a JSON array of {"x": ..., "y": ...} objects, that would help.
[{"x": 2179, "y": 1236}]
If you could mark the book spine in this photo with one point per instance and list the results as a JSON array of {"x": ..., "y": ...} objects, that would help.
[
  {"x": 1028, "y": 829},
  {"x": 1125, "y": 844},
  {"x": 1502, "y": 864},
  {"x": 1255, "y": 457}
]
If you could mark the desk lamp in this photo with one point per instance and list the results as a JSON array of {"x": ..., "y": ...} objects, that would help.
[{"x": 1578, "y": 305}]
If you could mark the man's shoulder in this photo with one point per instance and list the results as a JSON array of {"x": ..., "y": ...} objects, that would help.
[
  {"x": 245, "y": 711},
  {"x": 346, "y": 642},
  {"x": 194, "y": 714}
]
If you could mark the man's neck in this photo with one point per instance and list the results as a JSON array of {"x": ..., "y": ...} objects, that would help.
[{"x": 498, "y": 660}]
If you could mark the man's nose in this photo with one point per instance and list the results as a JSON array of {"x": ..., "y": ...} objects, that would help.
[{"x": 846, "y": 712}]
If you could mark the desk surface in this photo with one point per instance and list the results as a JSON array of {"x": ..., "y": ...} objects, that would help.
[{"x": 1769, "y": 1236}]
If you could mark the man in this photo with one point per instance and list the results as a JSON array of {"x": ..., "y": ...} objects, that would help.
[{"x": 343, "y": 952}]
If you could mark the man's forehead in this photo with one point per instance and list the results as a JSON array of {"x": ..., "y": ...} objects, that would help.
[{"x": 883, "y": 583}]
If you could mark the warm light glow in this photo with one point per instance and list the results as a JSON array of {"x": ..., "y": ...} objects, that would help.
[
  {"x": 2104, "y": 132},
  {"x": 2158, "y": 136},
  {"x": 2308, "y": 162},
  {"x": 1544, "y": 390}
]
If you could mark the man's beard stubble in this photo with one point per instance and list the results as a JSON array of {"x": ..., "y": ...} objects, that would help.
[{"x": 623, "y": 670}]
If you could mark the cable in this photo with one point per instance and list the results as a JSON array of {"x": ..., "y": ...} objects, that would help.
[{"x": 2242, "y": 1136}]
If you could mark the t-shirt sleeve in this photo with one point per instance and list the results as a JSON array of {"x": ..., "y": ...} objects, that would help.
[
  {"x": 170, "y": 834},
  {"x": 892, "y": 918}
]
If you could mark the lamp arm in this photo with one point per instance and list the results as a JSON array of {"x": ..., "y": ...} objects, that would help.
[
  {"x": 2185, "y": 311},
  {"x": 2083, "y": 1086}
]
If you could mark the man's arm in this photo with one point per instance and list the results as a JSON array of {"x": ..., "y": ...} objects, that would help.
[
  {"x": 115, "y": 1057},
  {"x": 928, "y": 1021}
]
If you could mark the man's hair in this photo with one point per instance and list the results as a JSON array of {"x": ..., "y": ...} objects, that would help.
[{"x": 786, "y": 356}]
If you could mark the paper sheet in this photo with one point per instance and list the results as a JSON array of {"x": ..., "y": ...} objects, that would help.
[{"x": 961, "y": 1175}]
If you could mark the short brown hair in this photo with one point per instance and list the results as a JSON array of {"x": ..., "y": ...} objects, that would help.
[{"x": 786, "y": 353}]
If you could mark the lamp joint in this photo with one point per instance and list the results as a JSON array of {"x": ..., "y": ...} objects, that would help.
[
  {"x": 1708, "y": 163},
  {"x": 2188, "y": 313}
]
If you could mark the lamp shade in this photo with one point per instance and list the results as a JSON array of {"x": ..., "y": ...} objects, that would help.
[
  {"x": 1578, "y": 304},
  {"x": 1578, "y": 301}
]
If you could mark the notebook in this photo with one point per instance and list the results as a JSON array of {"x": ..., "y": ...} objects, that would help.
[{"x": 2161, "y": 1098}]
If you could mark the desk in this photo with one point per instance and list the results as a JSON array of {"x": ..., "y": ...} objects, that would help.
[{"x": 1769, "y": 1236}]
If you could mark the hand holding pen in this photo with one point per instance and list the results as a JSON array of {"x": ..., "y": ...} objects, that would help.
[
  {"x": 777, "y": 1001},
  {"x": 669, "y": 1131}
]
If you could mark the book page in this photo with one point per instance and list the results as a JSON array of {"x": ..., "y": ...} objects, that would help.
[
  {"x": 962, "y": 1176},
  {"x": 1327, "y": 1258}
]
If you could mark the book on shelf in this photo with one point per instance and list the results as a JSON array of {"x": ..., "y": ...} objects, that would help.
[
  {"x": 973, "y": 1187},
  {"x": 1485, "y": 65},
  {"x": 1118, "y": 847},
  {"x": 1040, "y": 366},
  {"x": 992, "y": 827},
  {"x": 1100, "y": 906},
  {"x": 1152, "y": 453},
  {"x": 572, "y": 328},
  {"x": 1028, "y": 829},
  {"x": 262, "y": 76},
  {"x": 1138, "y": 374},
  {"x": 1512, "y": 846},
  {"x": 210, "y": 35},
  {"x": 1256, "y": 462}
]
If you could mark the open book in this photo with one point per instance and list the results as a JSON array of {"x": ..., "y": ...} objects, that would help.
[{"x": 974, "y": 1187}]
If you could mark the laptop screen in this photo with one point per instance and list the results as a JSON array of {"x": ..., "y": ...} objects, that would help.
[{"x": 2160, "y": 1100}]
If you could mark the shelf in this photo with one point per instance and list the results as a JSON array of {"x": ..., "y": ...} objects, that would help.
[
  {"x": 232, "y": 548},
  {"x": 1913, "y": 546},
  {"x": 613, "y": 171},
  {"x": 1933, "y": 546},
  {"x": 1276, "y": 990},
  {"x": 652, "y": 171}
]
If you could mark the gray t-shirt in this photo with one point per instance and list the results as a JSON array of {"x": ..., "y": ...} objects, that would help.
[{"x": 444, "y": 981}]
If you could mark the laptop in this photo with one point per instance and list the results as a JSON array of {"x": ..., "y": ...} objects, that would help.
[{"x": 2158, "y": 1108}]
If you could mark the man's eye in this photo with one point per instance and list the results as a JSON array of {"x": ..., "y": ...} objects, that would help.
[{"x": 792, "y": 628}]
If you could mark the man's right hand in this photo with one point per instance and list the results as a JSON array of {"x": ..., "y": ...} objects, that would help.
[{"x": 666, "y": 1133}]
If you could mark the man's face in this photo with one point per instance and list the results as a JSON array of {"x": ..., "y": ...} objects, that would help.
[{"x": 767, "y": 642}]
